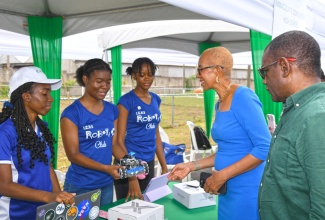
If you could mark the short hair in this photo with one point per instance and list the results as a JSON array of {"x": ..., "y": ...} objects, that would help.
[
  {"x": 300, "y": 45},
  {"x": 222, "y": 56},
  {"x": 137, "y": 66},
  {"x": 89, "y": 67},
  {"x": 322, "y": 75}
]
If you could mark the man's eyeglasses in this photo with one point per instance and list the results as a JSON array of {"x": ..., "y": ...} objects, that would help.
[
  {"x": 263, "y": 72},
  {"x": 199, "y": 70}
]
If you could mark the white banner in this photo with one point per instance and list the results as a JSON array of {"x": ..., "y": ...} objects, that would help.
[{"x": 289, "y": 15}]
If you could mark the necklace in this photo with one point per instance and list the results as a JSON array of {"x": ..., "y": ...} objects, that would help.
[{"x": 227, "y": 90}]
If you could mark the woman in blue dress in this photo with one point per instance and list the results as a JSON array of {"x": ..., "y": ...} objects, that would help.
[
  {"x": 243, "y": 140},
  {"x": 138, "y": 127}
]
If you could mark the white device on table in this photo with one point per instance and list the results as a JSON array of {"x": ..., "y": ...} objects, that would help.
[{"x": 157, "y": 188}]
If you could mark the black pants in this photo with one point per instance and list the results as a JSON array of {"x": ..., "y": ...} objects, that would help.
[{"x": 122, "y": 185}]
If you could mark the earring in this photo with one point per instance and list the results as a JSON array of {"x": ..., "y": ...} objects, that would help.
[{"x": 217, "y": 79}]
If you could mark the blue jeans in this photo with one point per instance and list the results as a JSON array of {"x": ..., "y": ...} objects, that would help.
[{"x": 106, "y": 191}]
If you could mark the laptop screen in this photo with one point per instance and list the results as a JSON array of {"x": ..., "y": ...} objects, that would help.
[{"x": 86, "y": 207}]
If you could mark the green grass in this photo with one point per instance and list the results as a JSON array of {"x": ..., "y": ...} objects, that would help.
[
  {"x": 185, "y": 108},
  {"x": 189, "y": 108}
]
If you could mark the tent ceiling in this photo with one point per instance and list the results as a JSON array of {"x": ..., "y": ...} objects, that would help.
[
  {"x": 71, "y": 8},
  {"x": 256, "y": 14},
  {"x": 86, "y": 45},
  {"x": 188, "y": 43},
  {"x": 181, "y": 35},
  {"x": 190, "y": 47},
  {"x": 84, "y": 15}
]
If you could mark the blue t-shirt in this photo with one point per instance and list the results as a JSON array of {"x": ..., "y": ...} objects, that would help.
[
  {"x": 142, "y": 122},
  {"x": 37, "y": 177},
  {"x": 95, "y": 134}
]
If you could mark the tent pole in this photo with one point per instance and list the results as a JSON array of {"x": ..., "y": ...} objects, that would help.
[
  {"x": 209, "y": 95},
  {"x": 46, "y": 41}
]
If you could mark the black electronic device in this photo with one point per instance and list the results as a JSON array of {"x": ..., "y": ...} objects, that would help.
[{"x": 204, "y": 176}]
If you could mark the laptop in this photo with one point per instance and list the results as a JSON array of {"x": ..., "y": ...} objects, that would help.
[{"x": 86, "y": 207}]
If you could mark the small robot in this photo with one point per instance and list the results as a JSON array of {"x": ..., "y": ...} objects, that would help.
[{"x": 133, "y": 167}]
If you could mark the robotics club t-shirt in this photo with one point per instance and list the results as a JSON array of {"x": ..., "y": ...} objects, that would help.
[
  {"x": 143, "y": 120},
  {"x": 95, "y": 134}
]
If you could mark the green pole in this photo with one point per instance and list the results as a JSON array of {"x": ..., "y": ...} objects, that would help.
[
  {"x": 116, "y": 55},
  {"x": 209, "y": 95},
  {"x": 46, "y": 42},
  {"x": 259, "y": 41}
]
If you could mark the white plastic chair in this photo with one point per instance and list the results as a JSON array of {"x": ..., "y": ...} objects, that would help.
[
  {"x": 163, "y": 135},
  {"x": 194, "y": 148},
  {"x": 61, "y": 176},
  {"x": 164, "y": 138},
  {"x": 114, "y": 194}
]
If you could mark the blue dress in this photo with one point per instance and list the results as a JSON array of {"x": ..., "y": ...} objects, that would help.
[{"x": 240, "y": 131}]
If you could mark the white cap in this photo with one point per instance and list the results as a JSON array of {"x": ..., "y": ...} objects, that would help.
[{"x": 31, "y": 74}]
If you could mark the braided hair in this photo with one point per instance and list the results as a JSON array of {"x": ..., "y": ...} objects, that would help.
[
  {"x": 27, "y": 137},
  {"x": 137, "y": 66}
]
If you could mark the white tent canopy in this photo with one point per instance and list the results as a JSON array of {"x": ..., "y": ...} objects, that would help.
[
  {"x": 85, "y": 46},
  {"x": 181, "y": 35},
  {"x": 84, "y": 16},
  {"x": 178, "y": 41},
  {"x": 256, "y": 14}
]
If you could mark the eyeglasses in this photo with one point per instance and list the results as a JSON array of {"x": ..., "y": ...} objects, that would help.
[
  {"x": 199, "y": 70},
  {"x": 263, "y": 72}
]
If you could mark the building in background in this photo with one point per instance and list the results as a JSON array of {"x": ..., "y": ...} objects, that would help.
[{"x": 170, "y": 79}]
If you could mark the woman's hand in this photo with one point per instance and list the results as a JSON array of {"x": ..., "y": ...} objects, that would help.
[
  {"x": 65, "y": 197},
  {"x": 134, "y": 189},
  {"x": 214, "y": 182},
  {"x": 181, "y": 170},
  {"x": 113, "y": 170}
]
